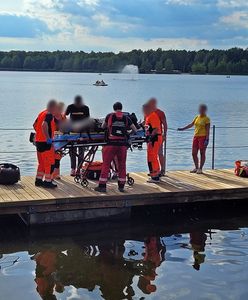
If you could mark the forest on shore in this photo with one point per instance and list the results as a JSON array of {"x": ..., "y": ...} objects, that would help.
[{"x": 230, "y": 62}]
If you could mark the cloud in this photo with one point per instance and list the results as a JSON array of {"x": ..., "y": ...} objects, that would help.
[
  {"x": 233, "y": 3},
  {"x": 21, "y": 26},
  {"x": 237, "y": 20},
  {"x": 109, "y": 24}
]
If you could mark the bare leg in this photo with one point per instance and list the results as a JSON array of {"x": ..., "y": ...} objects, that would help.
[
  {"x": 195, "y": 158},
  {"x": 203, "y": 158}
]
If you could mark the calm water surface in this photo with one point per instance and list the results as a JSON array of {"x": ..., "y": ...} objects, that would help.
[
  {"x": 192, "y": 259},
  {"x": 181, "y": 259},
  {"x": 24, "y": 95}
]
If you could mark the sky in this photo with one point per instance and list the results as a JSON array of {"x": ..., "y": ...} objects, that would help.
[{"x": 122, "y": 25}]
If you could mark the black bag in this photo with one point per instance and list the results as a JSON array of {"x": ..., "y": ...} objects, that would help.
[
  {"x": 9, "y": 174},
  {"x": 93, "y": 175},
  {"x": 32, "y": 137}
]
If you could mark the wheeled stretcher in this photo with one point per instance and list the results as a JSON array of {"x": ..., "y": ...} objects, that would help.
[{"x": 90, "y": 142}]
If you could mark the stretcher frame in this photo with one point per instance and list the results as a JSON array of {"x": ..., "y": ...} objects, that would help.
[{"x": 90, "y": 150}]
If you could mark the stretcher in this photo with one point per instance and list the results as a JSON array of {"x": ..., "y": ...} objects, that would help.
[{"x": 90, "y": 142}]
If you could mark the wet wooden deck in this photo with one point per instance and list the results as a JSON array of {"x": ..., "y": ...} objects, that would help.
[{"x": 178, "y": 187}]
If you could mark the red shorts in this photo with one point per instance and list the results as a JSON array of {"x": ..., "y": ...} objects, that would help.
[{"x": 198, "y": 143}]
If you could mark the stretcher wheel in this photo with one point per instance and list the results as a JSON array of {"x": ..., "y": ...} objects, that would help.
[
  {"x": 84, "y": 182},
  {"x": 77, "y": 179},
  {"x": 130, "y": 181}
]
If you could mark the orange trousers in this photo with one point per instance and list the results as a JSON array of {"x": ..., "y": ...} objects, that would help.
[
  {"x": 153, "y": 157},
  {"x": 46, "y": 161}
]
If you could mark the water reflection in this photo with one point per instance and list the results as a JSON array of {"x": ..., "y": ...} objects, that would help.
[
  {"x": 128, "y": 261},
  {"x": 104, "y": 266},
  {"x": 198, "y": 242}
]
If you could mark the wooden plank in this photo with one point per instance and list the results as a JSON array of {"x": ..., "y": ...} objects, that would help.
[
  {"x": 178, "y": 187},
  {"x": 45, "y": 192}
]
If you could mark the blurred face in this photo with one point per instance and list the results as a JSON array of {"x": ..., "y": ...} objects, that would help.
[
  {"x": 202, "y": 109},
  {"x": 53, "y": 108},
  {"x": 78, "y": 101},
  {"x": 146, "y": 110},
  {"x": 61, "y": 107},
  {"x": 153, "y": 104}
]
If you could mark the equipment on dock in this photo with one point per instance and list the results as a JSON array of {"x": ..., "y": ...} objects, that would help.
[
  {"x": 9, "y": 174},
  {"x": 241, "y": 168},
  {"x": 90, "y": 142},
  {"x": 90, "y": 138}
]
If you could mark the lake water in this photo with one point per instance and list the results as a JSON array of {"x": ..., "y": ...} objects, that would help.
[
  {"x": 172, "y": 258},
  {"x": 166, "y": 258},
  {"x": 24, "y": 95}
]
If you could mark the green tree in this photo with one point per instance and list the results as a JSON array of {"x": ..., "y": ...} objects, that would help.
[
  {"x": 168, "y": 65},
  {"x": 68, "y": 64},
  {"x": 159, "y": 66},
  {"x": 16, "y": 62},
  {"x": 211, "y": 67},
  {"x": 198, "y": 68},
  {"x": 221, "y": 67},
  {"x": 77, "y": 64},
  {"x": 146, "y": 66},
  {"x": 6, "y": 62},
  {"x": 28, "y": 63}
]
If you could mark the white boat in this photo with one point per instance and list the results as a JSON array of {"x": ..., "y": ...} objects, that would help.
[{"x": 100, "y": 83}]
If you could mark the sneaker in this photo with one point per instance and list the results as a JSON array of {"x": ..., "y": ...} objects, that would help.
[
  {"x": 194, "y": 171},
  {"x": 73, "y": 172},
  {"x": 49, "y": 184},
  {"x": 121, "y": 189},
  {"x": 154, "y": 180},
  {"x": 199, "y": 171},
  {"x": 38, "y": 182},
  {"x": 100, "y": 189}
]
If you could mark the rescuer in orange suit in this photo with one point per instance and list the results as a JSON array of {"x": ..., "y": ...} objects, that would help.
[
  {"x": 45, "y": 127},
  {"x": 154, "y": 142},
  {"x": 161, "y": 114}
]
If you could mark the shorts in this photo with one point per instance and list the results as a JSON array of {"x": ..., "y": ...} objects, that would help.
[{"x": 198, "y": 143}]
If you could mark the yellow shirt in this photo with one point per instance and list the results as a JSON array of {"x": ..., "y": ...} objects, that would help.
[{"x": 200, "y": 125}]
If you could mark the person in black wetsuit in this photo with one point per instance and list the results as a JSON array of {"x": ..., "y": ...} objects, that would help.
[{"x": 77, "y": 112}]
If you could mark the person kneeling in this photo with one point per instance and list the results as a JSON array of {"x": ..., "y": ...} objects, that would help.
[{"x": 117, "y": 125}]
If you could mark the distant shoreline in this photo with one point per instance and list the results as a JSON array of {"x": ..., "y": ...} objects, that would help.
[
  {"x": 115, "y": 72},
  {"x": 229, "y": 62}
]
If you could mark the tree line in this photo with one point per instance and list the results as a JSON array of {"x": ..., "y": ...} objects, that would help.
[{"x": 231, "y": 61}]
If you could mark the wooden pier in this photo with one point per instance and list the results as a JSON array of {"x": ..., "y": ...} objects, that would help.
[{"x": 72, "y": 202}]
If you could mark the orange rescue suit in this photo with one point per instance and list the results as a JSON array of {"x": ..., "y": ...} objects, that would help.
[
  {"x": 45, "y": 152},
  {"x": 40, "y": 136},
  {"x": 152, "y": 122}
]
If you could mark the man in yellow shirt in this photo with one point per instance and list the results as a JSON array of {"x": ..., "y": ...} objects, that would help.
[{"x": 201, "y": 137}]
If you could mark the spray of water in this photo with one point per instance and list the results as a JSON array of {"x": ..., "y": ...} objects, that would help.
[{"x": 130, "y": 69}]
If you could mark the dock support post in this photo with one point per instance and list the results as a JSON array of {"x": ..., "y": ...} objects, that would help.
[
  {"x": 213, "y": 148},
  {"x": 165, "y": 154}
]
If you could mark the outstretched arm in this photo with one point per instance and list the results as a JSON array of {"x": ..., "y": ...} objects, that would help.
[{"x": 186, "y": 127}]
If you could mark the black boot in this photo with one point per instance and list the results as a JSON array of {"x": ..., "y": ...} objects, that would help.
[
  {"x": 38, "y": 182},
  {"x": 121, "y": 187},
  {"x": 101, "y": 188},
  {"x": 49, "y": 184}
]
